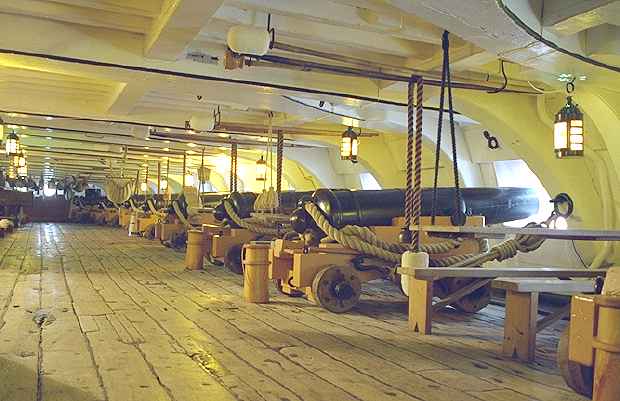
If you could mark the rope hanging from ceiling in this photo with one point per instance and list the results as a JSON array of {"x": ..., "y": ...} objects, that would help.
[
  {"x": 279, "y": 161},
  {"x": 413, "y": 191},
  {"x": 233, "y": 167},
  {"x": 458, "y": 219}
]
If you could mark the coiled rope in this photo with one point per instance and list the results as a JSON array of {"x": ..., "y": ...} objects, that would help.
[
  {"x": 180, "y": 215},
  {"x": 257, "y": 228},
  {"x": 363, "y": 240},
  {"x": 507, "y": 249}
]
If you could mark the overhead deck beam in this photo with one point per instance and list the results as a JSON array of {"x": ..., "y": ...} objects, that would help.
[
  {"x": 126, "y": 97},
  {"x": 568, "y": 17},
  {"x": 75, "y": 14},
  {"x": 178, "y": 24}
]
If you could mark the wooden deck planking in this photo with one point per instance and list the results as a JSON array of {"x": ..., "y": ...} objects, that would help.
[{"x": 129, "y": 323}]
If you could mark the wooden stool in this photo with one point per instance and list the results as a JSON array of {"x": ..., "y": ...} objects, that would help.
[
  {"x": 607, "y": 345},
  {"x": 195, "y": 252},
  {"x": 255, "y": 259}
]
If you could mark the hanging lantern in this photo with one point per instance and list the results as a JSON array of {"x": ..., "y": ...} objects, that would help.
[
  {"x": 11, "y": 172},
  {"x": 568, "y": 131},
  {"x": 143, "y": 187},
  {"x": 349, "y": 145},
  {"x": 204, "y": 174},
  {"x": 22, "y": 171},
  {"x": 163, "y": 184},
  {"x": 12, "y": 144},
  {"x": 261, "y": 169},
  {"x": 21, "y": 159},
  {"x": 189, "y": 180}
]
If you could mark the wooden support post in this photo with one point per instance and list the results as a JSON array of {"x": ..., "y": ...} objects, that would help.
[
  {"x": 194, "y": 254},
  {"x": 607, "y": 354},
  {"x": 520, "y": 325},
  {"x": 255, "y": 258},
  {"x": 420, "y": 305},
  {"x": 420, "y": 293}
]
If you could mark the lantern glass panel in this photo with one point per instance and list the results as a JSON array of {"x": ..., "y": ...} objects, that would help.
[
  {"x": 354, "y": 147},
  {"x": 261, "y": 170},
  {"x": 346, "y": 147},
  {"x": 560, "y": 135}
]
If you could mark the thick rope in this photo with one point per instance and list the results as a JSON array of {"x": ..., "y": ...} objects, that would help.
[
  {"x": 455, "y": 163},
  {"x": 506, "y": 250},
  {"x": 233, "y": 167},
  {"x": 409, "y": 178},
  {"x": 438, "y": 143},
  {"x": 366, "y": 234},
  {"x": 363, "y": 240},
  {"x": 180, "y": 215},
  {"x": 417, "y": 181},
  {"x": 259, "y": 229},
  {"x": 279, "y": 156}
]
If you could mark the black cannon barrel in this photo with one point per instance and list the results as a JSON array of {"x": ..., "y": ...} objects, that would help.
[
  {"x": 212, "y": 199},
  {"x": 379, "y": 207}
]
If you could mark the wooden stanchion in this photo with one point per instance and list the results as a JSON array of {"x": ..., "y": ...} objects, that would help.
[
  {"x": 194, "y": 255},
  {"x": 607, "y": 346},
  {"x": 255, "y": 257}
]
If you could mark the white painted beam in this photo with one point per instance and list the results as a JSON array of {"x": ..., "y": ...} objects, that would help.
[
  {"x": 76, "y": 15},
  {"x": 315, "y": 34},
  {"x": 126, "y": 97},
  {"x": 568, "y": 17},
  {"x": 178, "y": 24},
  {"x": 144, "y": 8},
  {"x": 343, "y": 15}
]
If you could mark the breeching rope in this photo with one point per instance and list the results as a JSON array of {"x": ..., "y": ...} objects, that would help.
[
  {"x": 363, "y": 240},
  {"x": 446, "y": 81},
  {"x": 243, "y": 223}
]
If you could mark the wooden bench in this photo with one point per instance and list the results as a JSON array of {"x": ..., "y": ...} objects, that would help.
[
  {"x": 421, "y": 305},
  {"x": 521, "y": 323}
]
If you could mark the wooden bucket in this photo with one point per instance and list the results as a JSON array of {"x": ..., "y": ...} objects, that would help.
[
  {"x": 255, "y": 259},
  {"x": 195, "y": 252}
]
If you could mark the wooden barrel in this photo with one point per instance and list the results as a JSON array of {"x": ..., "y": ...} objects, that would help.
[
  {"x": 123, "y": 218},
  {"x": 607, "y": 345},
  {"x": 255, "y": 259},
  {"x": 158, "y": 231},
  {"x": 194, "y": 254}
]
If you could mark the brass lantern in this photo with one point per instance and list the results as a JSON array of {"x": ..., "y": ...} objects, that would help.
[
  {"x": 22, "y": 171},
  {"x": 12, "y": 144},
  {"x": 189, "y": 179},
  {"x": 163, "y": 184},
  {"x": 568, "y": 131},
  {"x": 261, "y": 169},
  {"x": 349, "y": 145},
  {"x": 21, "y": 159},
  {"x": 11, "y": 172}
]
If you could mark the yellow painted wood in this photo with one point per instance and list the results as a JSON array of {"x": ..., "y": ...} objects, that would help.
[
  {"x": 255, "y": 259},
  {"x": 607, "y": 345},
  {"x": 520, "y": 325}
]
